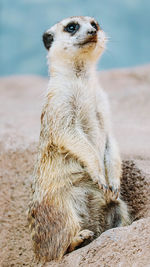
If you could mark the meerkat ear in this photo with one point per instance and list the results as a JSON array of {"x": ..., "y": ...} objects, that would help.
[{"x": 48, "y": 39}]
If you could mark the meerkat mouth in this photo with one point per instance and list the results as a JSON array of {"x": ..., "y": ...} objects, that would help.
[{"x": 90, "y": 40}]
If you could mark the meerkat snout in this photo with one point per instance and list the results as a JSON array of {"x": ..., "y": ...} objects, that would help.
[
  {"x": 94, "y": 29},
  {"x": 92, "y": 32}
]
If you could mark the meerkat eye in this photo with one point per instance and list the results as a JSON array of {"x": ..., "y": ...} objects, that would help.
[
  {"x": 94, "y": 25},
  {"x": 72, "y": 27}
]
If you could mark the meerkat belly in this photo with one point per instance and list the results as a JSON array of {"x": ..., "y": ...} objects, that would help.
[{"x": 87, "y": 202}]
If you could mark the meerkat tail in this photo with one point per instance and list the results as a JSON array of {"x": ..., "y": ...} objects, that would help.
[
  {"x": 51, "y": 231},
  {"x": 118, "y": 214}
]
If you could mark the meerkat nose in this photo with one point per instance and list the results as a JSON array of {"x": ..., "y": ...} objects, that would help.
[{"x": 92, "y": 32}]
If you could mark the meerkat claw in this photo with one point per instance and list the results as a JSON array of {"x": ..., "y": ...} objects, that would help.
[
  {"x": 117, "y": 193},
  {"x": 102, "y": 186},
  {"x": 105, "y": 188},
  {"x": 114, "y": 193}
]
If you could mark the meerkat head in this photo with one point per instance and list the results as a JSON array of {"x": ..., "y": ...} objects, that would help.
[{"x": 75, "y": 38}]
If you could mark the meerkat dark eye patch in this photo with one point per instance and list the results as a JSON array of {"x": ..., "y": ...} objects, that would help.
[
  {"x": 95, "y": 25},
  {"x": 72, "y": 28},
  {"x": 48, "y": 39}
]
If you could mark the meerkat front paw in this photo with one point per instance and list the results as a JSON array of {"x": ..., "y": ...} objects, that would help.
[
  {"x": 100, "y": 180},
  {"x": 112, "y": 192}
]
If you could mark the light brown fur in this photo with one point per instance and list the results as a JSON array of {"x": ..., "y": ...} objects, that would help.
[{"x": 77, "y": 174}]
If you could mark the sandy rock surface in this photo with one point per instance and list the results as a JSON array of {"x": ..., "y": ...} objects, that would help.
[{"x": 20, "y": 107}]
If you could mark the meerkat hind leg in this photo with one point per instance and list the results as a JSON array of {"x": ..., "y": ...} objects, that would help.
[{"x": 79, "y": 238}]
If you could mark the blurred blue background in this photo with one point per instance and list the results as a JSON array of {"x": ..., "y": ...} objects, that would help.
[{"x": 22, "y": 23}]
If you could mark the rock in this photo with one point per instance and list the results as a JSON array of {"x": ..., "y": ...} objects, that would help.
[
  {"x": 21, "y": 101},
  {"x": 126, "y": 246}
]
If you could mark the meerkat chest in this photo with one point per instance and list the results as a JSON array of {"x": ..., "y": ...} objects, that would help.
[{"x": 88, "y": 117}]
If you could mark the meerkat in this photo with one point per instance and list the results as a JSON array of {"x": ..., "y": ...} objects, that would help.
[{"x": 76, "y": 179}]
